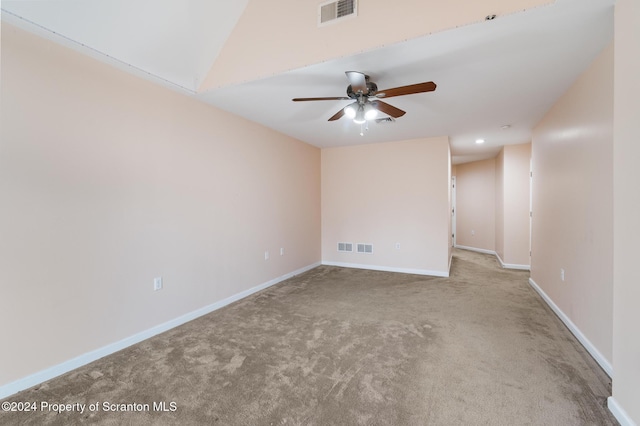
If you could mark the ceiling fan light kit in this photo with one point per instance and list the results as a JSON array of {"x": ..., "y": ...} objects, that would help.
[
  {"x": 367, "y": 97},
  {"x": 360, "y": 113},
  {"x": 370, "y": 113},
  {"x": 350, "y": 110},
  {"x": 359, "y": 118}
]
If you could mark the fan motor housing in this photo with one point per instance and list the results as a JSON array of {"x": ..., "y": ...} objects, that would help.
[{"x": 372, "y": 89}]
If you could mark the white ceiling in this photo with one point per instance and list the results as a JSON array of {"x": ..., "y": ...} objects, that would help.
[
  {"x": 508, "y": 71},
  {"x": 172, "y": 42}
]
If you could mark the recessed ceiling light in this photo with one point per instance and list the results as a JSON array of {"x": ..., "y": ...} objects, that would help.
[
  {"x": 479, "y": 141},
  {"x": 505, "y": 127}
]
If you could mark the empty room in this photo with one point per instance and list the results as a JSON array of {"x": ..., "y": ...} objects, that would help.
[{"x": 320, "y": 212}]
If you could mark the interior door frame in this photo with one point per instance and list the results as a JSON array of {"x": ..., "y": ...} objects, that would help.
[
  {"x": 530, "y": 207},
  {"x": 453, "y": 210}
]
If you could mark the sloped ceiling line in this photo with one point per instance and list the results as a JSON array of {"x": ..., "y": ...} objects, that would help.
[{"x": 91, "y": 51}]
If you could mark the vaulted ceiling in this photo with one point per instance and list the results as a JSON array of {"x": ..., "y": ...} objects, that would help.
[{"x": 490, "y": 74}]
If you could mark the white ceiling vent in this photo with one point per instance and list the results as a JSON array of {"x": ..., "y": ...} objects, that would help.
[
  {"x": 365, "y": 248},
  {"x": 334, "y": 11},
  {"x": 345, "y": 246}
]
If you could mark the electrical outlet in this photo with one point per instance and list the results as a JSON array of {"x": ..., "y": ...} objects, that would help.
[
  {"x": 157, "y": 283},
  {"x": 397, "y": 246},
  {"x": 266, "y": 255},
  {"x": 473, "y": 232},
  {"x": 562, "y": 274},
  {"x": 281, "y": 251}
]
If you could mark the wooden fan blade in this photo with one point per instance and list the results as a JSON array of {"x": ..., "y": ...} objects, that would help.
[
  {"x": 388, "y": 109},
  {"x": 407, "y": 90},
  {"x": 337, "y": 115},
  {"x": 358, "y": 81},
  {"x": 342, "y": 98}
]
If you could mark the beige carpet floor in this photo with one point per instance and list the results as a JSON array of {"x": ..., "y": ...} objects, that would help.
[{"x": 338, "y": 346}]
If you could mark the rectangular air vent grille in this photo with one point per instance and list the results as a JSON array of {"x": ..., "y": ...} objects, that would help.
[
  {"x": 365, "y": 248},
  {"x": 335, "y": 10},
  {"x": 345, "y": 246}
]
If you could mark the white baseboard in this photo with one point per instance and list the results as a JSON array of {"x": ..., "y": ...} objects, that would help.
[
  {"x": 479, "y": 250},
  {"x": 512, "y": 265},
  {"x": 619, "y": 413},
  {"x": 502, "y": 264},
  {"x": 389, "y": 269},
  {"x": 600, "y": 359},
  {"x": 84, "y": 359}
]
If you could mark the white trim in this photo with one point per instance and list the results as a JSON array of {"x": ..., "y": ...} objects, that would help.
[
  {"x": 84, "y": 359},
  {"x": 516, "y": 266},
  {"x": 502, "y": 264},
  {"x": 454, "y": 206},
  {"x": 479, "y": 250},
  {"x": 619, "y": 413},
  {"x": 595, "y": 353},
  {"x": 450, "y": 263},
  {"x": 389, "y": 269},
  {"x": 512, "y": 265}
]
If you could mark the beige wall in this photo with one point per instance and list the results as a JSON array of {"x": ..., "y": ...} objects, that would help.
[
  {"x": 626, "y": 199},
  {"x": 388, "y": 193},
  {"x": 573, "y": 205},
  {"x": 107, "y": 181},
  {"x": 267, "y": 41},
  {"x": 475, "y": 200},
  {"x": 515, "y": 204}
]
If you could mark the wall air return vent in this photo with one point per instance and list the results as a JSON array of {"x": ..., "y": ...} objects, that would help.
[
  {"x": 365, "y": 248},
  {"x": 334, "y": 11},
  {"x": 345, "y": 246}
]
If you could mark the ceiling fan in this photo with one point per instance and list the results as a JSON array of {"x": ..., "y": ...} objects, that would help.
[{"x": 367, "y": 97}]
